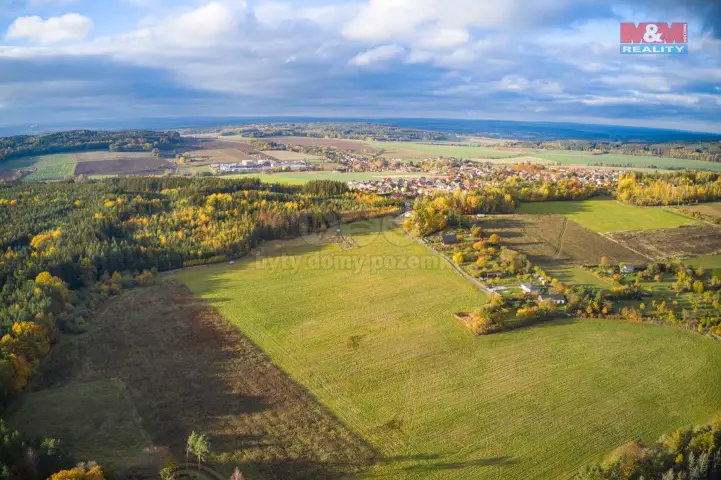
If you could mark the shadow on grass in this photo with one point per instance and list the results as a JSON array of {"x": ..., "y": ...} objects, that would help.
[{"x": 187, "y": 369}]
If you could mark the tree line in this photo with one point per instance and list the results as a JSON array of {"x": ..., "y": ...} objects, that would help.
[
  {"x": 81, "y": 140},
  {"x": 668, "y": 189}
]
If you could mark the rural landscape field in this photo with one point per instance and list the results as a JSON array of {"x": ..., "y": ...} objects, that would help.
[
  {"x": 278, "y": 306},
  {"x": 389, "y": 360}
]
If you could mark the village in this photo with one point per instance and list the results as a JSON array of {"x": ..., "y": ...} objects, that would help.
[{"x": 474, "y": 175}]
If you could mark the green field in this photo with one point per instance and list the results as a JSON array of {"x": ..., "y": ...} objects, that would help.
[
  {"x": 567, "y": 157},
  {"x": 378, "y": 345},
  {"x": 299, "y": 178},
  {"x": 706, "y": 261},
  {"x": 411, "y": 150},
  {"x": 607, "y": 215},
  {"x": 49, "y": 167},
  {"x": 574, "y": 275},
  {"x": 94, "y": 419}
]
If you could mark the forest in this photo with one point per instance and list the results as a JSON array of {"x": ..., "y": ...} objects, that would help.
[
  {"x": 82, "y": 140},
  {"x": 649, "y": 189},
  {"x": 66, "y": 245}
]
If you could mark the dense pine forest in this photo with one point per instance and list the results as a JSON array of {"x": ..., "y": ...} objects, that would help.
[
  {"x": 81, "y": 140},
  {"x": 65, "y": 246}
]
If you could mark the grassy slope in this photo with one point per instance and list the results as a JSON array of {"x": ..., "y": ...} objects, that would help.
[
  {"x": 300, "y": 178},
  {"x": 383, "y": 352},
  {"x": 585, "y": 158},
  {"x": 49, "y": 167},
  {"x": 607, "y": 215},
  {"x": 96, "y": 420}
]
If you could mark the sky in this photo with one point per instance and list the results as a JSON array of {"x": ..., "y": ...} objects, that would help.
[{"x": 537, "y": 60}]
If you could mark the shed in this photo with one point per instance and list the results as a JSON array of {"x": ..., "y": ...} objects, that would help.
[
  {"x": 557, "y": 299},
  {"x": 530, "y": 288},
  {"x": 450, "y": 239}
]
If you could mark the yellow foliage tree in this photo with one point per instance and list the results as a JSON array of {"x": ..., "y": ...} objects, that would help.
[{"x": 80, "y": 473}]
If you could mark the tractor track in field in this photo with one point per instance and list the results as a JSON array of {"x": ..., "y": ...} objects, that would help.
[{"x": 559, "y": 245}]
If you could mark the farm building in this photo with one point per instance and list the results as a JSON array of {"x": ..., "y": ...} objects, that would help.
[
  {"x": 450, "y": 239},
  {"x": 530, "y": 288},
  {"x": 557, "y": 299},
  {"x": 627, "y": 269},
  {"x": 490, "y": 275}
]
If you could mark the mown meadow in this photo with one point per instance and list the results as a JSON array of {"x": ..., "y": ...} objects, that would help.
[
  {"x": 368, "y": 328},
  {"x": 607, "y": 215}
]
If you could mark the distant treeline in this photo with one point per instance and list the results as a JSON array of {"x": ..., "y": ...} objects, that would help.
[
  {"x": 355, "y": 131},
  {"x": 704, "y": 151},
  {"x": 80, "y": 140}
]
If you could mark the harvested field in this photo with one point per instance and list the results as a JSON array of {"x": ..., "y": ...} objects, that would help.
[
  {"x": 185, "y": 368},
  {"x": 131, "y": 166},
  {"x": 711, "y": 209},
  {"x": 227, "y": 155},
  {"x": 667, "y": 243},
  {"x": 102, "y": 156},
  {"x": 214, "y": 144},
  {"x": 550, "y": 239},
  {"x": 290, "y": 156}
]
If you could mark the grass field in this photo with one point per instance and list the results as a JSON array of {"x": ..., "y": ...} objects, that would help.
[
  {"x": 417, "y": 150},
  {"x": 706, "y": 261},
  {"x": 96, "y": 420},
  {"x": 378, "y": 346},
  {"x": 606, "y": 215},
  {"x": 585, "y": 158},
  {"x": 49, "y": 167},
  {"x": 299, "y": 178},
  {"x": 158, "y": 363}
]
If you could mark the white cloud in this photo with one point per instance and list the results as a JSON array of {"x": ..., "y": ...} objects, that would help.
[
  {"x": 205, "y": 24},
  {"x": 71, "y": 26},
  {"x": 399, "y": 20},
  {"x": 378, "y": 54},
  {"x": 518, "y": 83}
]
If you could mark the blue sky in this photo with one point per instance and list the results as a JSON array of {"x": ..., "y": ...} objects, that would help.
[{"x": 550, "y": 60}]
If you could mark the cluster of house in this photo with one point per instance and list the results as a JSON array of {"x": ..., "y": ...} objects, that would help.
[
  {"x": 407, "y": 186},
  {"x": 535, "y": 291},
  {"x": 473, "y": 176}
]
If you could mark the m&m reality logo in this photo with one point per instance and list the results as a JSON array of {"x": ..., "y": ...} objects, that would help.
[{"x": 654, "y": 38}]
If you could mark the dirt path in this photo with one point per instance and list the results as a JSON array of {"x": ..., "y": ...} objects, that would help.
[{"x": 479, "y": 285}]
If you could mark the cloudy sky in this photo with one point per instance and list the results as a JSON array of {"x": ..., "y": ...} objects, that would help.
[{"x": 554, "y": 60}]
